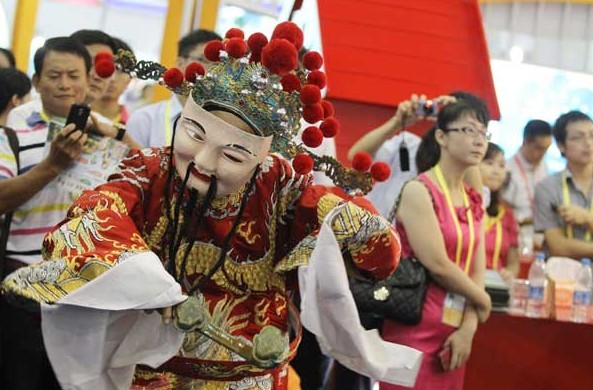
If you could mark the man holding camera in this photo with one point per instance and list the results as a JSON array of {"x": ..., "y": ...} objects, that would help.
[{"x": 36, "y": 195}]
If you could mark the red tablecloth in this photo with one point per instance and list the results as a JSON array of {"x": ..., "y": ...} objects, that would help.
[{"x": 523, "y": 353}]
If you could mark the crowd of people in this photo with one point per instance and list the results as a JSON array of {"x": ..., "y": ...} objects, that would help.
[{"x": 228, "y": 185}]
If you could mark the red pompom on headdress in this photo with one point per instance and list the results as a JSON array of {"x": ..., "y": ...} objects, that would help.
[
  {"x": 310, "y": 94},
  {"x": 380, "y": 171},
  {"x": 290, "y": 82},
  {"x": 302, "y": 163},
  {"x": 312, "y": 136},
  {"x": 313, "y": 114},
  {"x": 328, "y": 108},
  {"x": 212, "y": 50},
  {"x": 256, "y": 43},
  {"x": 330, "y": 127},
  {"x": 173, "y": 78},
  {"x": 318, "y": 78},
  {"x": 236, "y": 47},
  {"x": 279, "y": 56},
  {"x": 291, "y": 32},
  {"x": 234, "y": 33},
  {"x": 104, "y": 68},
  {"x": 103, "y": 55},
  {"x": 362, "y": 161},
  {"x": 193, "y": 70},
  {"x": 312, "y": 60}
]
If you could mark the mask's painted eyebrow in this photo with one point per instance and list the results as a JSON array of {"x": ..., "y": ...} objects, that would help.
[
  {"x": 241, "y": 148},
  {"x": 197, "y": 124}
]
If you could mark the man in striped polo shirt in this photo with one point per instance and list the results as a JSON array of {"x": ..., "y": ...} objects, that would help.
[{"x": 62, "y": 69}]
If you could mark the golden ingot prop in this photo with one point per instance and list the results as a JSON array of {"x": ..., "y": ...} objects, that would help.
[{"x": 269, "y": 348}]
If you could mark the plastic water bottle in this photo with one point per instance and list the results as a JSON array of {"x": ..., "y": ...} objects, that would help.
[
  {"x": 582, "y": 292},
  {"x": 537, "y": 287}
]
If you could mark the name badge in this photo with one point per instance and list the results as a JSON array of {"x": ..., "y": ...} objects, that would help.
[{"x": 453, "y": 309}]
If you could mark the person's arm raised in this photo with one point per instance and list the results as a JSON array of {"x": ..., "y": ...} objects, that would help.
[{"x": 64, "y": 149}]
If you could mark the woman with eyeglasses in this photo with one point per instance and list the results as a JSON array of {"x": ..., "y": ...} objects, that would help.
[
  {"x": 439, "y": 219},
  {"x": 501, "y": 230}
]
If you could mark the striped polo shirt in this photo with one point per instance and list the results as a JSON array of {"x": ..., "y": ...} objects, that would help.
[{"x": 33, "y": 219}]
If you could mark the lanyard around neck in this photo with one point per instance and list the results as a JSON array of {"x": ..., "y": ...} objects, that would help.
[
  {"x": 497, "y": 222},
  {"x": 44, "y": 116},
  {"x": 526, "y": 182},
  {"x": 470, "y": 220},
  {"x": 566, "y": 196}
]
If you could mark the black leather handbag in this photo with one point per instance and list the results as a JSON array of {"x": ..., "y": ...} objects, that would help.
[{"x": 400, "y": 297}]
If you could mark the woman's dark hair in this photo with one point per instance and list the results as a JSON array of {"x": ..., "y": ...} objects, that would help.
[
  {"x": 429, "y": 151},
  {"x": 12, "y": 82},
  {"x": 121, "y": 44},
  {"x": 9, "y": 56},
  {"x": 491, "y": 152}
]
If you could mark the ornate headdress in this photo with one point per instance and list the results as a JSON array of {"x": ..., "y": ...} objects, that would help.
[{"x": 262, "y": 82}]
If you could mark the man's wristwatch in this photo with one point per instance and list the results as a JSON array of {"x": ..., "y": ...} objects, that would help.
[{"x": 121, "y": 131}]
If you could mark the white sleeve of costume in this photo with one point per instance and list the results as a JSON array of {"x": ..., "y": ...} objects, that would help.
[
  {"x": 97, "y": 334},
  {"x": 328, "y": 311}
]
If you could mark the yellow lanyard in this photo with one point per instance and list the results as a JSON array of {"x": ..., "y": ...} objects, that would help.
[
  {"x": 496, "y": 221},
  {"x": 117, "y": 118},
  {"x": 168, "y": 130},
  {"x": 566, "y": 196},
  {"x": 44, "y": 116},
  {"x": 439, "y": 174}
]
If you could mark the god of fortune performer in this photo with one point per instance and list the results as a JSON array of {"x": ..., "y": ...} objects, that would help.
[{"x": 225, "y": 210}]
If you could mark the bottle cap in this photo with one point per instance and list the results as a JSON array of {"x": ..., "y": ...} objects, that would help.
[
  {"x": 586, "y": 262},
  {"x": 540, "y": 256}
]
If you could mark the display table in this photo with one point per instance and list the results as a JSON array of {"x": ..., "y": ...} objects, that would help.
[{"x": 523, "y": 353}]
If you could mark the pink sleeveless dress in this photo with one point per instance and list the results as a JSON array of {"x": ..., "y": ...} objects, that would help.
[{"x": 431, "y": 333}]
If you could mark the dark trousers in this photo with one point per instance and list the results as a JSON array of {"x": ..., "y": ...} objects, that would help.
[
  {"x": 24, "y": 364},
  {"x": 310, "y": 364},
  {"x": 345, "y": 379}
]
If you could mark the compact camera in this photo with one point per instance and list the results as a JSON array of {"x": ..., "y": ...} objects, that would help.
[{"x": 427, "y": 108}]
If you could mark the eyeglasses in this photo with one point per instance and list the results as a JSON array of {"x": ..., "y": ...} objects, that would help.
[{"x": 472, "y": 132}]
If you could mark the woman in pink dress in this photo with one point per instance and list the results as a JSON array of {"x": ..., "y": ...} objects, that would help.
[
  {"x": 501, "y": 230},
  {"x": 439, "y": 221}
]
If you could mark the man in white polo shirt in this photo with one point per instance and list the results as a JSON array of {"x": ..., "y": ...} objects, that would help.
[
  {"x": 527, "y": 168},
  {"x": 41, "y": 190}
]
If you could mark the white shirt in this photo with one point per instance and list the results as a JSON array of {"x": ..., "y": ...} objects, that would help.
[
  {"x": 524, "y": 177},
  {"x": 17, "y": 118},
  {"x": 384, "y": 194},
  {"x": 152, "y": 126}
]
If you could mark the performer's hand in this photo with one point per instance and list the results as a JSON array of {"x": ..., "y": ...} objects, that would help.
[{"x": 166, "y": 314}]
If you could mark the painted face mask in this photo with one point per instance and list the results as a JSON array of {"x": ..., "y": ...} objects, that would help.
[{"x": 219, "y": 144}]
